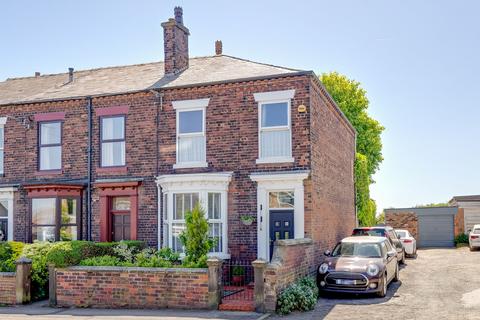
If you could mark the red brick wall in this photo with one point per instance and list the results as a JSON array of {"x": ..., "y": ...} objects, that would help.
[
  {"x": 459, "y": 222},
  {"x": 292, "y": 260},
  {"x": 116, "y": 287},
  {"x": 8, "y": 288},
  {"x": 403, "y": 220},
  {"x": 330, "y": 199}
]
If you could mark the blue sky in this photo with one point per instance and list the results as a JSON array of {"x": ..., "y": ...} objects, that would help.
[{"x": 418, "y": 61}]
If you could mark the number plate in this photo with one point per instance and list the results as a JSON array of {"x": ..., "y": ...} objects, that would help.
[{"x": 345, "y": 282}]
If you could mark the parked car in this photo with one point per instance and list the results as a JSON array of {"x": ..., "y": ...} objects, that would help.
[
  {"x": 408, "y": 241},
  {"x": 474, "y": 238},
  {"x": 362, "y": 264},
  {"x": 383, "y": 231}
]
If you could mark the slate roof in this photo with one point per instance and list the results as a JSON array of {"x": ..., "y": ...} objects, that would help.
[{"x": 134, "y": 78}]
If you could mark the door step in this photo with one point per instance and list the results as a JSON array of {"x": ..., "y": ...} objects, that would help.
[{"x": 237, "y": 305}]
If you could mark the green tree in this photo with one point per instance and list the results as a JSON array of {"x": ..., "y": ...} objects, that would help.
[
  {"x": 429, "y": 205},
  {"x": 195, "y": 237},
  {"x": 352, "y": 99}
]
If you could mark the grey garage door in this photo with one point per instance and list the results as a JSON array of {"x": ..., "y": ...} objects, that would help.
[{"x": 435, "y": 230}]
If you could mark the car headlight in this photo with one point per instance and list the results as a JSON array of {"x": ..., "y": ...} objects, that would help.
[
  {"x": 372, "y": 270},
  {"x": 323, "y": 268}
]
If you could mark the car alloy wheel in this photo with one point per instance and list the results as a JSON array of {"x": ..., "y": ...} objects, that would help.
[
  {"x": 397, "y": 274},
  {"x": 383, "y": 292}
]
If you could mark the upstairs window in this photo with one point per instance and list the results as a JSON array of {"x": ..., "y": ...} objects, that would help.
[
  {"x": 191, "y": 138},
  {"x": 275, "y": 134},
  {"x": 50, "y": 145},
  {"x": 113, "y": 141}
]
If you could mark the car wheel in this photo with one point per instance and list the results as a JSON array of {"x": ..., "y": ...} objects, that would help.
[
  {"x": 383, "y": 291},
  {"x": 397, "y": 274},
  {"x": 403, "y": 257}
]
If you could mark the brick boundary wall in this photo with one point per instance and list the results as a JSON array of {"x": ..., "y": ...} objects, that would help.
[
  {"x": 459, "y": 222},
  {"x": 15, "y": 286},
  {"x": 134, "y": 287},
  {"x": 403, "y": 220},
  {"x": 292, "y": 259},
  {"x": 8, "y": 292}
]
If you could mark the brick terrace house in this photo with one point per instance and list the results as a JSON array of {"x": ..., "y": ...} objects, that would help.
[{"x": 123, "y": 152}]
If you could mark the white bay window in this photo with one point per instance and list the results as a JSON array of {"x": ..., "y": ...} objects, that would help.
[
  {"x": 191, "y": 137},
  {"x": 181, "y": 193},
  {"x": 275, "y": 128}
]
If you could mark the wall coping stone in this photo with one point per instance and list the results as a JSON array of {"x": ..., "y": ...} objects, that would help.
[
  {"x": 23, "y": 260},
  {"x": 7, "y": 274},
  {"x": 134, "y": 269},
  {"x": 293, "y": 242}
]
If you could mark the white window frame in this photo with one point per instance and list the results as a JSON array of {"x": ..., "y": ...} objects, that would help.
[
  {"x": 203, "y": 184},
  {"x": 262, "y": 98},
  {"x": 7, "y": 194},
  {"x": 3, "y": 121},
  {"x": 184, "y": 106}
]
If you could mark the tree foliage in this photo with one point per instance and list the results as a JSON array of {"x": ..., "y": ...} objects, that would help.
[
  {"x": 352, "y": 99},
  {"x": 430, "y": 205}
]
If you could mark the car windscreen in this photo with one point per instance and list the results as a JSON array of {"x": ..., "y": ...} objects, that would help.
[
  {"x": 357, "y": 249},
  {"x": 476, "y": 231},
  {"x": 369, "y": 232},
  {"x": 401, "y": 234}
]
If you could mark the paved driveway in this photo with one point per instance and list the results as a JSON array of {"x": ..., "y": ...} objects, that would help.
[{"x": 438, "y": 284}]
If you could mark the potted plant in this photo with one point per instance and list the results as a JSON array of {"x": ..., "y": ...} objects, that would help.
[
  {"x": 247, "y": 219},
  {"x": 238, "y": 275}
]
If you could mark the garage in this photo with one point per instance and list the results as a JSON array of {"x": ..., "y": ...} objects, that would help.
[
  {"x": 431, "y": 226},
  {"x": 436, "y": 230}
]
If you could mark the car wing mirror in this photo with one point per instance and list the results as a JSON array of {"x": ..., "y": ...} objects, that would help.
[{"x": 327, "y": 253}]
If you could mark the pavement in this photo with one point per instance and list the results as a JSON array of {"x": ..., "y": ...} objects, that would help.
[
  {"x": 438, "y": 284},
  {"x": 41, "y": 311}
]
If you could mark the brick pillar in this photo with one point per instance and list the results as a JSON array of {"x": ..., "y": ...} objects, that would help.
[
  {"x": 259, "y": 274},
  {"x": 214, "y": 282},
  {"x": 23, "y": 280},
  {"x": 52, "y": 286}
]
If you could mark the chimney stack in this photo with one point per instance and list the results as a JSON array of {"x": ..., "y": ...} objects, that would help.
[
  {"x": 37, "y": 74},
  {"x": 218, "y": 47},
  {"x": 70, "y": 75},
  {"x": 175, "y": 37}
]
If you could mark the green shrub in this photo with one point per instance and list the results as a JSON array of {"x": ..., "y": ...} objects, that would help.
[
  {"x": 38, "y": 252},
  {"x": 148, "y": 258},
  {"x": 9, "y": 253},
  {"x": 195, "y": 238},
  {"x": 461, "y": 238},
  {"x": 168, "y": 254},
  {"x": 238, "y": 271},
  {"x": 301, "y": 295},
  {"x": 106, "y": 261}
]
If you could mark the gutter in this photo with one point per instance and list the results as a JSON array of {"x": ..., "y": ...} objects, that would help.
[{"x": 89, "y": 169}]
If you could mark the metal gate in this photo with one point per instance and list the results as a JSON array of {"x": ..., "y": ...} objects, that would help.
[
  {"x": 237, "y": 281},
  {"x": 436, "y": 230}
]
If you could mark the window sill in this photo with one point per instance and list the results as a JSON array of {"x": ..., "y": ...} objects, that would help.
[
  {"x": 48, "y": 172},
  {"x": 275, "y": 160},
  {"x": 190, "y": 165},
  {"x": 122, "y": 169}
]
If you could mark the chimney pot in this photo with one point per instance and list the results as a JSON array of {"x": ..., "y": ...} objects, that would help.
[
  {"x": 218, "y": 47},
  {"x": 70, "y": 74},
  {"x": 178, "y": 11},
  {"x": 37, "y": 74}
]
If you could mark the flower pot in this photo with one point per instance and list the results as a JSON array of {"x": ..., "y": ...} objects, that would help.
[
  {"x": 247, "y": 222},
  {"x": 238, "y": 279}
]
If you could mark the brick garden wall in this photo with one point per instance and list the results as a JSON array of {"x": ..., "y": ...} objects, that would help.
[
  {"x": 403, "y": 220},
  {"x": 8, "y": 288},
  {"x": 292, "y": 260},
  {"x": 118, "y": 287}
]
